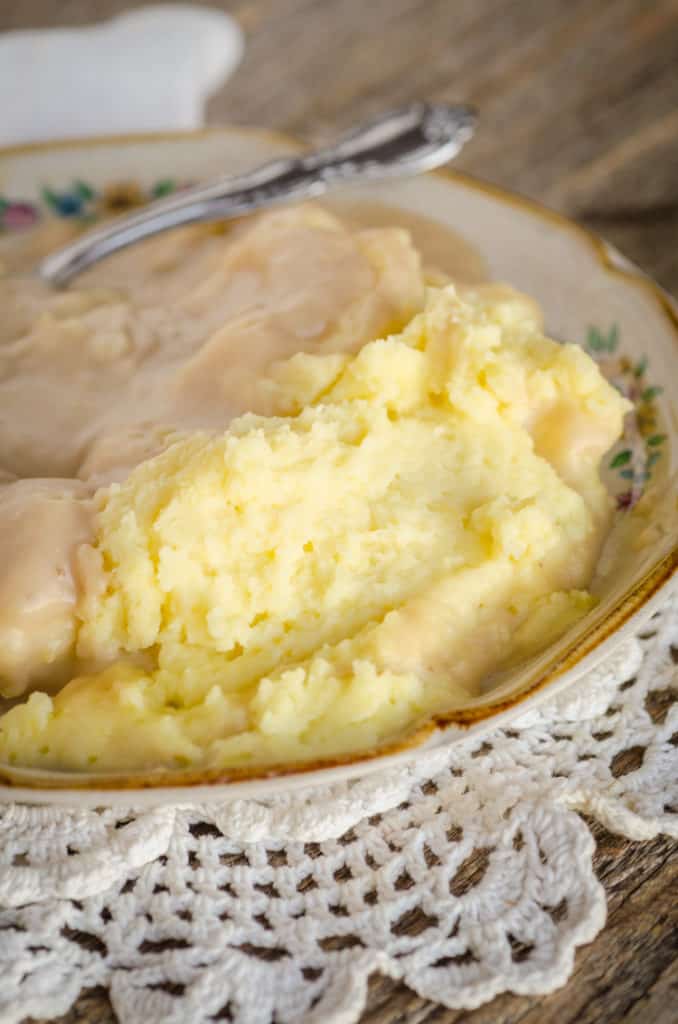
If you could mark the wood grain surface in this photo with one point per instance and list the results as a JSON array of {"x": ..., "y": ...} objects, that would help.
[{"x": 579, "y": 109}]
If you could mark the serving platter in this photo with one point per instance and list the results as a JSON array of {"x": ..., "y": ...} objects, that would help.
[{"x": 590, "y": 295}]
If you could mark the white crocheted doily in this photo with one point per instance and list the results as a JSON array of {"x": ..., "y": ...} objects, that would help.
[{"x": 464, "y": 876}]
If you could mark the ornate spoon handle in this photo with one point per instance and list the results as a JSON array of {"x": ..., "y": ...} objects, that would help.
[{"x": 408, "y": 141}]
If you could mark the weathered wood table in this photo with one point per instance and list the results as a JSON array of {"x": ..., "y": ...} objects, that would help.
[{"x": 579, "y": 106}]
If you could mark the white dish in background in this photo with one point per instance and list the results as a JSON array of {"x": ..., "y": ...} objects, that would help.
[
  {"x": 589, "y": 294},
  {"x": 174, "y": 57}
]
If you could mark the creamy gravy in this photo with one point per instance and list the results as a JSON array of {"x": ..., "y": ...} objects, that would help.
[
  {"x": 172, "y": 335},
  {"x": 442, "y": 250}
]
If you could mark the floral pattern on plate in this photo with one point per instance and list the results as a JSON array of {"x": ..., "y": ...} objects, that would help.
[
  {"x": 635, "y": 456},
  {"x": 80, "y": 201}
]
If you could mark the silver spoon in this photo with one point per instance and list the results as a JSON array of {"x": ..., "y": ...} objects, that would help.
[{"x": 404, "y": 142}]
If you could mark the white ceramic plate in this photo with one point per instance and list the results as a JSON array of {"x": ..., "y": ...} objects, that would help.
[{"x": 590, "y": 295}]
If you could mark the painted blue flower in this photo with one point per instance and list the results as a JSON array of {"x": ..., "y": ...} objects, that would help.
[{"x": 77, "y": 201}]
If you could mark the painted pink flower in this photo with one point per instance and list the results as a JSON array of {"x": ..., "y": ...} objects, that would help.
[{"x": 17, "y": 216}]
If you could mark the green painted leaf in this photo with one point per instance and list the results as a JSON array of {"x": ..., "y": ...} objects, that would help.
[
  {"x": 595, "y": 340},
  {"x": 49, "y": 197},
  {"x": 652, "y": 458},
  {"x": 656, "y": 440},
  {"x": 3, "y": 204},
  {"x": 82, "y": 189},
  {"x": 613, "y": 338},
  {"x": 627, "y": 474},
  {"x": 640, "y": 367},
  {"x": 650, "y": 393},
  {"x": 620, "y": 459},
  {"x": 163, "y": 187}
]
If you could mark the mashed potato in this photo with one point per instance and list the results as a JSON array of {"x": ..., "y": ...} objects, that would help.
[
  {"x": 310, "y": 583},
  {"x": 173, "y": 334}
]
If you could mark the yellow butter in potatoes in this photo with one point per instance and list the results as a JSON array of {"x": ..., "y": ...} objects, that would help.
[{"x": 309, "y": 585}]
